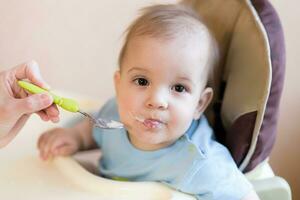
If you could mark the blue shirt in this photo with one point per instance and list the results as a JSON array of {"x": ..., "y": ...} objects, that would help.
[{"x": 194, "y": 164}]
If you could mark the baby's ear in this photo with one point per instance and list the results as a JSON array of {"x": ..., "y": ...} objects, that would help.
[
  {"x": 204, "y": 101},
  {"x": 117, "y": 77}
]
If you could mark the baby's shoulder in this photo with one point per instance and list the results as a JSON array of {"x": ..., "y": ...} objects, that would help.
[
  {"x": 109, "y": 109},
  {"x": 216, "y": 174},
  {"x": 201, "y": 135}
]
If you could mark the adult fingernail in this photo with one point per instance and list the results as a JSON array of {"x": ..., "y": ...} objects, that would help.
[
  {"x": 46, "y": 98},
  {"x": 46, "y": 86},
  {"x": 55, "y": 119}
]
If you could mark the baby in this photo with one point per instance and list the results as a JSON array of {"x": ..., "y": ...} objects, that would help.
[{"x": 161, "y": 94}]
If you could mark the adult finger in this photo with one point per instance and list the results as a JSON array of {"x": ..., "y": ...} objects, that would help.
[
  {"x": 32, "y": 103},
  {"x": 30, "y": 70}
]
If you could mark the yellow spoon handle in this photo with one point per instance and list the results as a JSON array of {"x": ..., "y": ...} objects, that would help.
[{"x": 67, "y": 104}]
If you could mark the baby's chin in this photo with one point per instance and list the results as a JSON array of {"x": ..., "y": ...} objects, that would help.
[
  {"x": 149, "y": 144},
  {"x": 148, "y": 137}
]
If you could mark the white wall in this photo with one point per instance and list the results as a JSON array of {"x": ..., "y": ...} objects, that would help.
[
  {"x": 285, "y": 157},
  {"x": 75, "y": 42}
]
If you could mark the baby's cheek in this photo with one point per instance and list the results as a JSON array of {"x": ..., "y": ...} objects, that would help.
[
  {"x": 126, "y": 111},
  {"x": 183, "y": 121}
]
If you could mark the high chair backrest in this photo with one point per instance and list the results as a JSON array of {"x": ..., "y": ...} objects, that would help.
[{"x": 249, "y": 78}]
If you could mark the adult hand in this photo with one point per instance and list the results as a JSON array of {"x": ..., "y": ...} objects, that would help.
[{"x": 16, "y": 105}]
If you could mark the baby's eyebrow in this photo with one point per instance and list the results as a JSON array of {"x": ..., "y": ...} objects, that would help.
[
  {"x": 187, "y": 79},
  {"x": 137, "y": 69}
]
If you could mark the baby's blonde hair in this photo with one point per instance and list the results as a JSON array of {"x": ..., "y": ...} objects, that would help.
[{"x": 168, "y": 22}]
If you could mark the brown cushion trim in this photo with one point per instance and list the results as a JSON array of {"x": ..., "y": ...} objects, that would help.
[{"x": 239, "y": 136}]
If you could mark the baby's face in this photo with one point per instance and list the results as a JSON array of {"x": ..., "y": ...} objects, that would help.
[{"x": 158, "y": 90}]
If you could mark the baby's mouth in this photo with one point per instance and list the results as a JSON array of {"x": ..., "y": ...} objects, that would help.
[{"x": 150, "y": 123}]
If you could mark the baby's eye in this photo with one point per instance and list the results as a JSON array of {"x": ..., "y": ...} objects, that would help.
[
  {"x": 141, "y": 81},
  {"x": 179, "y": 88}
]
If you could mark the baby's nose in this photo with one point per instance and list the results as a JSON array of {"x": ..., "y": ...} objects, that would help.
[
  {"x": 157, "y": 105},
  {"x": 157, "y": 100}
]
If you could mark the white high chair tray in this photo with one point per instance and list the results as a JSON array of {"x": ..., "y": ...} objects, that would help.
[{"x": 23, "y": 175}]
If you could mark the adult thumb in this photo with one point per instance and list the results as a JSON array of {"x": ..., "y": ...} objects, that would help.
[{"x": 33, "y": 103}]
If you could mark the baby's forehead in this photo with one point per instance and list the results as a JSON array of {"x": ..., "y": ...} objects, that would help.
[
  {"x": 191, "y": 43},
  {"x": 155, "y": 57},
  {"x": 182, "y": 51}
]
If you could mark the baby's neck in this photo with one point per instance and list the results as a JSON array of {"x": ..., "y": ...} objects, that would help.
[{"x": 147, "y": 147}]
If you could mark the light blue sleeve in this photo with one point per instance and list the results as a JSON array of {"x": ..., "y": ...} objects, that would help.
[{"x": 108, "y": 111}]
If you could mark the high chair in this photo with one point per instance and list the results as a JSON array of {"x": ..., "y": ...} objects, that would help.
[{"x": 248, "y": 85}]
